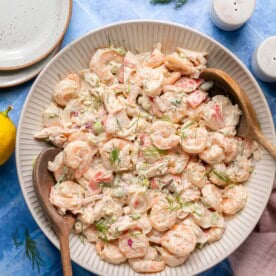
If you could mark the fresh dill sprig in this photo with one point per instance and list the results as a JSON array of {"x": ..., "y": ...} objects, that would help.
[
  {"x": 119, "y": 125},
  {"x": 222, "y": 176},
  {"x": 114, "y": 155},
  {"x": 82, "y": 238},
  {"x": 153, "y": 151},
  {"x": 17, "y": 243},
  {"x": 97, "y": 100},
  {"x": 102, "y": 228},
  {"x": 31, "y": 251},
  {"x": 178, "y": 3},
  {"x": 104, "y": 185}
]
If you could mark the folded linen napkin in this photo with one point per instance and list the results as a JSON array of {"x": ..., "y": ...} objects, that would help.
[{"x": 257, "y": 255}]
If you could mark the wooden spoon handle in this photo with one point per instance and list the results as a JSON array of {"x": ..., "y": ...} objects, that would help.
[
  {"x": 65, "y": 254},
  {"x": 260, "y": 138}
]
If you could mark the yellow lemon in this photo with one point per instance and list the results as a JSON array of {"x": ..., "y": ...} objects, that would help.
[{"x": 7, "y": 136}]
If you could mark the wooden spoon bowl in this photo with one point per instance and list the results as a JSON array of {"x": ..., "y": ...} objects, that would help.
[
  {"x": 249, "y": 126},
  {"x": 43, "y": 180}
]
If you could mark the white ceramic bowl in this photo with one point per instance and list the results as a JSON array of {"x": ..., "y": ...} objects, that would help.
[{"x": 141, "y": 35}]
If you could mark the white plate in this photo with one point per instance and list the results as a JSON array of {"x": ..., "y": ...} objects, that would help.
[
  {"x": 30, "y": 30},
  {"x": 15, "y": 77},
  {"x": 142, "y": 35}
]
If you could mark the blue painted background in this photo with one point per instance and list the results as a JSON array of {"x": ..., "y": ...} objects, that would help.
[{"x": 87, "y": 15}]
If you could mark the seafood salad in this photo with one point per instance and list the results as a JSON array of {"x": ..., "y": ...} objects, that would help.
[{"x": 150, "y": 164}]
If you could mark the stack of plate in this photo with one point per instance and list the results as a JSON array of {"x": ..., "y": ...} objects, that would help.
[{"x": 31, "y": 32}]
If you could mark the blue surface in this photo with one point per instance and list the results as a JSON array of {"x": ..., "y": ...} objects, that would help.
[{"x": 87, "y": 15}]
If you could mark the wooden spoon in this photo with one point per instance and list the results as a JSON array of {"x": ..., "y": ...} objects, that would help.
[
  {"x": 43, "y": 181},
  {"x": 249, "y": 126}
]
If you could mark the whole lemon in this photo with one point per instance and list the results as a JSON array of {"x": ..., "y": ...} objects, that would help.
[{"x": 7, "y": 136}]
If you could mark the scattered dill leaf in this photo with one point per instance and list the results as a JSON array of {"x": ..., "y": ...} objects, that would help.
[
  {"x": 17, "y": 243},
  {"x": 214, "y": 217},
  {"x": 135, "y": 216},
  {"x": 120, "y": 51},
  {"x": 31, "y": 251},
  {"x": 114, "y": 155},
  {"x": 101, "y": 227},
  {"x": 153, "y": 151},
  {"x": 97, "y": 100},
  {"x": 82, "y": 238},
  {"x": 178, "y": 3},
  {"x": 222, "y": 176},
  {"x": 200, "y": 245},
  {"x": 33, "y": 162},
  {"x": 119, "y": 125},
  {"x": 166, "y": 118},
  {"x": 104, "y": 185},
  {"x": 176, "y": 102}
]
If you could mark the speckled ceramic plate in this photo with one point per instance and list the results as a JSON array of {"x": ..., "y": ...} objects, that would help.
[
  {"x": 30, "y": 30},
  {"x": 141, "y": 35},
  {"x": 15, "y": 77}
]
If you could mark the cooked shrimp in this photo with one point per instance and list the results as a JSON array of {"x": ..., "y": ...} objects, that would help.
[
  {"x": 201, "y": 236},
  {"x": 197, "y": 58},
  {"x": 103, "y": 61},
  {"x": 229, "y": 145},
  {"x": 194, "y": 139},
  {"x": 214, "y": 234},
  {"x": 57, "y": 166},
  {"x": 163, "y": 135},
  {"x": 189, "y": 194},
  {"x": 94, "y": 176},
  {"x": 129, "y": 69},
  {"x": 67, "y": 195},
  {"x": 143, "y": 223},
  {"x": 139, "y": 203},
  {"x": 219, "y": 176},
  {"x": 155, "y": 236},
  {"x": 213, "y": 154},
  {"x": 180, "y": 240},
  {"x": 152, "y": 80},
  {"x": 239, "y": 169},
  {"x": 90, "y": 233},
  {"x": 234, "y": 199},
  {"x": 123, "y": 223},
  {"x": 219, "y": 113},
  {"x": 149, "y": 263},
  {"x": 78, "y": 156},
  {"x": 66, "y": 89},
  {"x": 197, "y": 174},
  {"x": 171, "y": 104},
  {"x": 176, "y": 63},
  {"x": 116, "y": 155},
  {"x": 107, "y": 206},
  {"x": 52, "y": 116},
  {"x": 161, "y": 217},
  {"x": 133, "y": 244},
  {"x": 110, "y": 252},
  {"x": 170, "y": 259},
  {"x": 55, "y": 134},
  {"x": 86, "y": 214},
  {"x": 157, "y": 57},
  {"x": 212, "y": 196},
  {"x": 170, "y": 78},
  {"x": 86, "y": 137},
  {"x": 178, "y": 160},
  {"x": 209, "y": 219}
]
